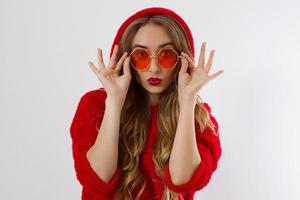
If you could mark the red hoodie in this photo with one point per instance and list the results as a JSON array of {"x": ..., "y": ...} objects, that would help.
[{"x": 83, "y": 131}]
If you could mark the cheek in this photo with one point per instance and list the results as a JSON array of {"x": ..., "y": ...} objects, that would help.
[
  {"x": 171, "y": 76},
  {"x": 138, "y": 76}
]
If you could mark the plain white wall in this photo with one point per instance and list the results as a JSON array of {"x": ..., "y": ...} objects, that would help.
[{"x": 44, "y": 50}]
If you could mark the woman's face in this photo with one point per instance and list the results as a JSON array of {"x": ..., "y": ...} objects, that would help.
[{"x": 153, "y": 37}]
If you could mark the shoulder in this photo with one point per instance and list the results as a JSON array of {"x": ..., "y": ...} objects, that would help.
[
  {"x": 95, "y": 94},
  {"x": 206, "y": 106},
  {"x": 214, "y": 121},
  {"x": 95, "y": 98}
]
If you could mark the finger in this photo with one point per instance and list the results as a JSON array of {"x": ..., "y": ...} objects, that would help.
[
  {"x": 191, "y": 63},
  {"x": 184, "y": 65},
  {"x": 120, "y": 63},
  {"x": 202, "y": 55},
  {"x": 101, "y": 64},
  {"x": 189, "y": 59},
  {"x": 210, "y": 59},
  {"x": 215, "y": 74},
  {"x": 126, "y": 66},
  {"x": 112, "y": 62},
  {"x": 94, "y": 68}
]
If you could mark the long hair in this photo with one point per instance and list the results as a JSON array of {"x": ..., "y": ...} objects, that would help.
[{"x": 136, "y": 115}]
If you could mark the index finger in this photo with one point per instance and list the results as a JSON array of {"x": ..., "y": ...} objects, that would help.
[
  {"x": 112, "y": 62},
  {"x": 100, "y": 59}
]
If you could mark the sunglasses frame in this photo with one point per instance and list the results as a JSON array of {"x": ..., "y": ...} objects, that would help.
[{"x": 151, "y": 56}]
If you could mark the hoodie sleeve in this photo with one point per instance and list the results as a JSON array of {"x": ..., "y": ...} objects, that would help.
[
  {"x": 210, "y": 151},
  {"x": 84, "y": 133}
]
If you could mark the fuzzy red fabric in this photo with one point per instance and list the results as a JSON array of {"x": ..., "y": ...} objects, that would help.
[{"x": 83, "y": 131}]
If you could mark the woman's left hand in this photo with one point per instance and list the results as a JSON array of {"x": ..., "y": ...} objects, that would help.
[{"x": 189, "y": 83}]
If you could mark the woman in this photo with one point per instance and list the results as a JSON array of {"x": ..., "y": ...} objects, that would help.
[{"x": 147, "y": 134}]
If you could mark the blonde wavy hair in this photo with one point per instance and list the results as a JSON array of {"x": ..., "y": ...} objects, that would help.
[{"x": 136, "y": 115}]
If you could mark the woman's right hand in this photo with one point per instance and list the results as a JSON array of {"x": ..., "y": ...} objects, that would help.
[{"x": 115, "y": 85}]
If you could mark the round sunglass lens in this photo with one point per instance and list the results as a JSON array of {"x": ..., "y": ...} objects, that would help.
[
  {"x": 140, "y": 59},
  {"x": 167, "y": 58}
]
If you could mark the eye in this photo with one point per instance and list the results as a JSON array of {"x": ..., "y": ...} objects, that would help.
[
  {"x": 167, "y": 52},
  {"x": 140, "y": 53}
]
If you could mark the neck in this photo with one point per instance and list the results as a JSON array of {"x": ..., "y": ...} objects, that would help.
[{"x": 154, "y": 99}]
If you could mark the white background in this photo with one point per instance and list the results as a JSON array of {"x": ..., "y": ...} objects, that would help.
[{"x": 44, "y": 50}]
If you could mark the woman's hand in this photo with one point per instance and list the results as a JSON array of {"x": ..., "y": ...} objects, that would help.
[
  {"x": 115, "y": 85},
  {"x": 190, "y": 83}
]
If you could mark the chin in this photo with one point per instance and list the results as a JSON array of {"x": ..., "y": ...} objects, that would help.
[{"x": 155, "y": 89}]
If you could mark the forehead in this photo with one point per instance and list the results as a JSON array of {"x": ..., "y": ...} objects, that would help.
[{"x": 152, "y": 36}]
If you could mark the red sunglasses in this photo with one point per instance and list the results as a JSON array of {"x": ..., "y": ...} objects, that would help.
[{"x": 166, "y": 57}]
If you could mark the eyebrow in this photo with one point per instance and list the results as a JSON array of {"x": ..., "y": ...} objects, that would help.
[{"x": 160, "y": 46}]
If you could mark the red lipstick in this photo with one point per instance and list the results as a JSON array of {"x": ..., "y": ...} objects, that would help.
[{"x": 154, "y": 81}]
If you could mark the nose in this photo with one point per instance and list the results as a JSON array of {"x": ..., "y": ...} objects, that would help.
[{"x": 154, "y": 67}]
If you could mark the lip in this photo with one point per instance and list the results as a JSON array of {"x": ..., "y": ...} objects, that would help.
[{"x": 154, "y": 81}]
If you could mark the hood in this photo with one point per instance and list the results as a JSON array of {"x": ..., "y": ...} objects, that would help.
[{"x": 153, "y": 11}]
